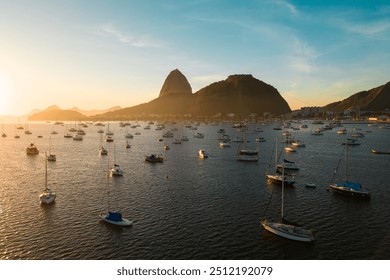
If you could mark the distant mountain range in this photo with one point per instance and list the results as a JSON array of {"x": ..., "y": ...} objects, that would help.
[
  {"x": 238, "y": 95},
  {"x": 55, "y": 113},
  {"x": 375, "y": 99}
]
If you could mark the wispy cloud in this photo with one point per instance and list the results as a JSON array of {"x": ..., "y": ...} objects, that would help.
[
  {"x": 111, "y": 30},
  {"x": 368, "y": 29},
  {"x": 287, "y": 5}
]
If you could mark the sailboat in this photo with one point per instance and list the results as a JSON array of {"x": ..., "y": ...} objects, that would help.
[
  {"x": 102, "y": 151},
  {"x": 51, "y": 157},
  {"x": 47, "y": 196},
  {"x": 276, "y": 177},
  {"x": 116, "y": 170},
  {"x": 110, "y": 217},
  {"x": 245, "y": 154},
  {"x": 286, "y": 230},
  {"x": 347, "y": 187}
]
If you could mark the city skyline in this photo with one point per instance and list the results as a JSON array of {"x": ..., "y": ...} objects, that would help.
[{"x": 96, "y": 54}]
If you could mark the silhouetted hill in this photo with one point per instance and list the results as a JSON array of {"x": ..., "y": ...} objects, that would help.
[
  {"x": 95, "y": 112},
  {"x": 239, "y": 94},
  {"x": 375, "y": 99},
  {"x": 54, "y": 113},
  {"x": 175, "y": 83}
]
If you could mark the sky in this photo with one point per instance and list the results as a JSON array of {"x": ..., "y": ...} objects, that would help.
[{"x": 99, "y": 54}]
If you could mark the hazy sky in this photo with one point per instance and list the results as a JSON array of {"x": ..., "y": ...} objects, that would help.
[{"x": 98, "y": 54}]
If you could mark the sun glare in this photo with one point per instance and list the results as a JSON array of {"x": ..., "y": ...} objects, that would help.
[{"x": 5, "y": 97}]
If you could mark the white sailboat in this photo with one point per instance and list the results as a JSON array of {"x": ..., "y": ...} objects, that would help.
[
  {"x": 245, "y": 154},
  {"x": 47, "y": 196},
  {"x": 113, "y": 217},
  {"x": 102, "y": 151},
  {"x": 279, "y": 178},
  {"x": 51, "y": 157},
  {"x": 116, "y": 169},
  {"x": 286, "y": 230}
]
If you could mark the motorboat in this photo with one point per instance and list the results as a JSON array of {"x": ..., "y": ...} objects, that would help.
[
  {"x": 51, "y": 157},
  {"x": 103, "y": 151},
  {"x": 290, "y": 149},
  {"x": 317, "y": 131},
  {"x": 247, "y": 155},
  {"x": 298, "y": 143},
  {"x": 32, "y": 150},
  {"x": 238, "y": 139},
  {"x": 224, "y": 144},
  {"x": 154, "y": 158},
  {"x": 203, "y": 154},
  {"x": 166, "y": 147},
  {"x": 116, "y": 170},
  {"x": 168, "y": 134},
  {"x": 380, "y": 152},
  {"x": 342, "y": 130},
  {"x": 109, "y": 138},
  {"x": 351, "y": 142},
  {"x": 78, "y": 137},
  {"x": 260, "y": 139},
  {"x": 199, "y": 135}
]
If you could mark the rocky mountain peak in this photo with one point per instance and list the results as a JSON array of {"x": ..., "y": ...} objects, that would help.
[{"x": 175, "y": 82}]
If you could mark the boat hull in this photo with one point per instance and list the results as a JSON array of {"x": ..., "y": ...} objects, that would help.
[
  {"x": 124, "y": 222},
  {"x": 348, "y": 191},
  {"x": 47, "y": 198},
  {"x": 278, "y": 180},
  {"x": 288, "y": 231}
]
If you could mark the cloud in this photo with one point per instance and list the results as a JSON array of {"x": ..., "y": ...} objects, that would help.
[
  {"x": 285, "y": 4},
  {"x": 368, "y": 29},
  {"x": 111, "y": 30}
]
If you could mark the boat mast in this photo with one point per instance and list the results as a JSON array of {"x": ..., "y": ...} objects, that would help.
[
  {"x": 346, "y": 161},
  {"x": 282, "y": 190},
  {"x": 45, "y": 170},
  {"x": 108, "y": 184},
  {"x": 276, "y": 151}
]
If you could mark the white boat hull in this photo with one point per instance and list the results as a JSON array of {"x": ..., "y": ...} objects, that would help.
[
  {"x": 47, "y": 198},
  {"x": 279, "y": 179},
  {"x": 288, "y": 231}
]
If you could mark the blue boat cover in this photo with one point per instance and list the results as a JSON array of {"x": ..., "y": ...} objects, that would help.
[
  {"x": 114, "y": 216},
  {"x": 354, "y": 186}
]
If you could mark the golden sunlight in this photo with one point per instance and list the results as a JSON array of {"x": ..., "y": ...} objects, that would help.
[{"x": 5, "y": 96}]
